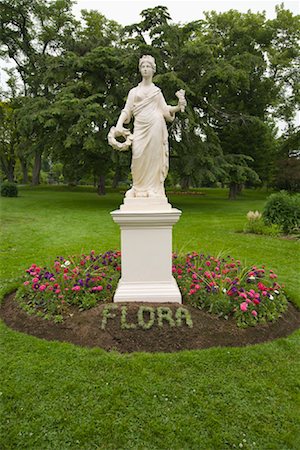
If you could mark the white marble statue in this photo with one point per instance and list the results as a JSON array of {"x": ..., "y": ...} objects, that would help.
[{"x": 150, "y": 150}]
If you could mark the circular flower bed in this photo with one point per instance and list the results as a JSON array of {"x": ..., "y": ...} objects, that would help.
[{"x": 222, "y": 286}]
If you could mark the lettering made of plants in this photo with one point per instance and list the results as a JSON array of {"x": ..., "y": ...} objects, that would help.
[{"x": 146, "y": 317}]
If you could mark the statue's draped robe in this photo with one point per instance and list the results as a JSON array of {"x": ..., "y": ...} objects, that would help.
[{"x": 150, "y": 150}]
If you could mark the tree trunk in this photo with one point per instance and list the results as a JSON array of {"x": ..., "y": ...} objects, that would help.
[
  {"x": 240, "y": 187},
  {"x": 36, "y": 168},
  {"x": 11, "y": 172},
  {"x": 101, "y": 185},
  {"x": 117, "y": 177},
  {"x": 24, "y": 170},
  {"x": 8, "y": 165},
  {"x": 185, "y": 183},
  {"x": 233, "y": 191}
]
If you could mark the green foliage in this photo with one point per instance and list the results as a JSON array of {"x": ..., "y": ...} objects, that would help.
[
  {"x": 240, "y": 72},
  {"x": 9, "y": 189},
  {"x": 256, "y": 225},
  {"x": 283, "y": 209},
  {"x": 124, "y": 324},
  {"x": 146, "y": 324},
  {"x": 288, "y": 175}
]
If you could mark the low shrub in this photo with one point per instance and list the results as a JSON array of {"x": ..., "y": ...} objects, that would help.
[
  {"x": 9, "y": 189},
  {"x": 256, "y": 225},
  {"x": 222, "y": 286},
  {"x": 283, "y": 209}
]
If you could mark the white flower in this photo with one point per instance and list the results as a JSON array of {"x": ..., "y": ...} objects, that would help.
[
  {"x": 65, "y": 264},
  {"x": 271, "y": 297},
  {"x": 276, "y": 292},
  {"x": 253, "y": 215},
  {"x": 251, "y": 278}
]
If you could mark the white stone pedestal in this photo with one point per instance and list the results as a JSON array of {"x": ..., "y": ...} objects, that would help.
[{"x": 146, "y": 248}]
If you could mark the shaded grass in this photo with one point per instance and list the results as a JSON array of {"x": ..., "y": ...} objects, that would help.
[{"x": 59, "y": 396}]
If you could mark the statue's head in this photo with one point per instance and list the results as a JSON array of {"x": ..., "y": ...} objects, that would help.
[{"x": 148, "y": 59}]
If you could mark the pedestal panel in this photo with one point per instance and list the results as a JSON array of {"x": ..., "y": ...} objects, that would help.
[{"x": 146, "y": 246}]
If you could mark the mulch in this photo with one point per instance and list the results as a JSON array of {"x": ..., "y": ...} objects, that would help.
[{"x": 83, "y": 328}]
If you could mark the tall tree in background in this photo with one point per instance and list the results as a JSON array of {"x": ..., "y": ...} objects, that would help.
[
  {"x": 87, "y": 104},
  {"x": 32, "y": 33}
]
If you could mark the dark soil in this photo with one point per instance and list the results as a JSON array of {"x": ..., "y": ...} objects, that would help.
[{"x": 84, "y": 329}]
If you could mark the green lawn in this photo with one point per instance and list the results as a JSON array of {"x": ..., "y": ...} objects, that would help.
[{"x": 58, "y": 396}]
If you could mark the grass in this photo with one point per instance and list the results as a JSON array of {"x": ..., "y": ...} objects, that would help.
[{"x": 58, "y": 396}]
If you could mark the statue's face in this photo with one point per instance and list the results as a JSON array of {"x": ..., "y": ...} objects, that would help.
[{"x": 146, "y": 69}]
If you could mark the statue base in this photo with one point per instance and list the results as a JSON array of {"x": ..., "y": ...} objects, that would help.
[{"x": 146, "y": 251}]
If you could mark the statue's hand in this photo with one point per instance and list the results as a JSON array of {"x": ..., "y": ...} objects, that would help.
[
  {"x": 182, "y": 104},
  {"x": 121, "y": 131}
]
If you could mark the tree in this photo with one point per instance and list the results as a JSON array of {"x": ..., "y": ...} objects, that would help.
[
  {"x": 32, "y": 33},
  {"x": 88, "y": 103},
  {"x": 229, "y": 62}
]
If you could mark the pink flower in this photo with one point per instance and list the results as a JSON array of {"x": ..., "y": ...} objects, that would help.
[
  {"x": 254, "y": 313},
  {"x": 197, "y": 287},
  {"x": 42, "y": 287},
  {"x": 57, "y": 291},
  {"x": 244, "y": 306},
  {"x": 76, "y": 288},
  {"x": 52, "y": 279},
  {"x": 194, "y": 276},
  {"x": 243, "y": 295},
  {"x": 97, "y": 288},
  {"x": 26, "y": 283},
  {"x": 208, "y": 263},
  {"x": 35, "y": 280}
]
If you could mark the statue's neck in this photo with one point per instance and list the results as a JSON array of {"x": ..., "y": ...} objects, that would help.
[{"x": 146, "y": 82}]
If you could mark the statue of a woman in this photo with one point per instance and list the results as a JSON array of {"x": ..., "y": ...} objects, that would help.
[{"x": 150, "y": 151}]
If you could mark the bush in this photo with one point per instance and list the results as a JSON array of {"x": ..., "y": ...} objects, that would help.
[
  {"x": 283, "y": 209},
  {"x": 9, "y": 189},
  {"x": 256, "y": 225}
]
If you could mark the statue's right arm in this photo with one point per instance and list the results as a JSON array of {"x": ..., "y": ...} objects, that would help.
[{"x": 126, "y": 113}]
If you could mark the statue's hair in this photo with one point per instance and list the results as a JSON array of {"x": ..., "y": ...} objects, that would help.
[{"x": 149, "y": 59}]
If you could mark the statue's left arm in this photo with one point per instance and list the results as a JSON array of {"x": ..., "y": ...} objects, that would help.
[{"x": 170, "y": 111}]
